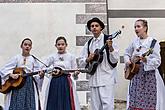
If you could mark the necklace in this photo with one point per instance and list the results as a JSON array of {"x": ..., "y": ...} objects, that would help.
[{"x": 61, "y": 58}]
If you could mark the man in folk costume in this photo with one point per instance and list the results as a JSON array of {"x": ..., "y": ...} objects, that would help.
[{"x": 102, "y": 81}]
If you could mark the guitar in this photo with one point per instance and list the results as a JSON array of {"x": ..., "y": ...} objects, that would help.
[
  {"x": 16, "y": 83},
  {"x": 133, "y": 68},
  {"x": 98, "y": 55}
]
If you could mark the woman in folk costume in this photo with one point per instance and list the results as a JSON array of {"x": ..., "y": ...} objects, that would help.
[
  {"x": 146, "y": 88},
  {"x": 25, "y": 97},
  {"x": 59, "y": 92}
]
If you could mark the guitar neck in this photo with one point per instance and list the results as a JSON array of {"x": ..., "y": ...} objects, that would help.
[
  {"x": 114, "y": 34},
  {"x": 147, "y": 53},
  {"x": 110, "y": 37},
  {"x": 103, "y": 47},
  {"x": 32, "y": 73},
  {"x": 73, "y": 70}
]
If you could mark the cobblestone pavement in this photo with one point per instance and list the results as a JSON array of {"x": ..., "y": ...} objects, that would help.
[{"x": 119, "y": 105}]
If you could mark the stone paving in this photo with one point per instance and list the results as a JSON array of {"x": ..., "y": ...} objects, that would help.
[{"x": 119, "y": 105}]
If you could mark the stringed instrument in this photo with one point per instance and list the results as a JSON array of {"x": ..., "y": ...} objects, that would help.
[
  {"x": 98, "y": 55},
  {"x": 16, "y": 83},
  {"x": 133, "y": 68},
  {"x": 58, "y": 71},
  {"x": 19, "y": 82}
]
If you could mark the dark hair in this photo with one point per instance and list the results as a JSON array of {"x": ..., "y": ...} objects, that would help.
[
  {"x": 145, "y": 23},
  {"x": 24, "y": 41},
  {"x": 59, "y": 38}
]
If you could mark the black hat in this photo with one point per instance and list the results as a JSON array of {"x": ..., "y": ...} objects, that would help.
[{"x": 95, "y": 20}]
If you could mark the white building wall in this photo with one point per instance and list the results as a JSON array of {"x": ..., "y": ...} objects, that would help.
[
  {"x": 133, "y": 4},
  {"x": 42, "y": 22}
]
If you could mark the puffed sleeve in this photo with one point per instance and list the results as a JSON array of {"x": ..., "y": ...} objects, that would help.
[
  {"x": 8, "y": 68},
  {"x": 154, "y": 59},
  {"x": 73, "y": 62},
  {"x": 114, "y": 55},
  {"x": 128, "y": 53},
  {"x": 83, "y": 56}
]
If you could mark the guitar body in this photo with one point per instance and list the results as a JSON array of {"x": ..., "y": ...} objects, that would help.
[
  {"x": 92, "y": 67},
  {"x": 13, "y": 83},
  {"x": 56, "y": 73},
  {"x": 131, "y": 70},
  {"x": 98, "y": 58}
]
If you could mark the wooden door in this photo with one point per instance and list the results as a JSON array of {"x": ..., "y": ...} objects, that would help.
[{"x": 162, "y": 53}]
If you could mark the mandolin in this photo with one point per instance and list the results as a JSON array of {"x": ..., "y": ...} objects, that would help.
[
  {"x": 98, "y": 55},
  {"x": 133, "y": 68},
  {"x": 58, "y": 71}
]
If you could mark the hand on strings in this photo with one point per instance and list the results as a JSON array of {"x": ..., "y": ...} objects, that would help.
[
  {"x": 109, "y": 43},
  {"x": 41, "y": 74},
  {"x": 136, "y": 59},
  {"x": 14, "y": 76},
  {"x": 143, "y": 59},
  {"x": 56, "y": 72},
  {"x": 77, "y": 72},
  {"x": 75, "y": 75},
  {"x": 90, "y": 57},
  {"x": 127, "y": 64}
]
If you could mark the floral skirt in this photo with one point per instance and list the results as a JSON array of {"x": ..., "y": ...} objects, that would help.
[{"x": 143, "y": 91}]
